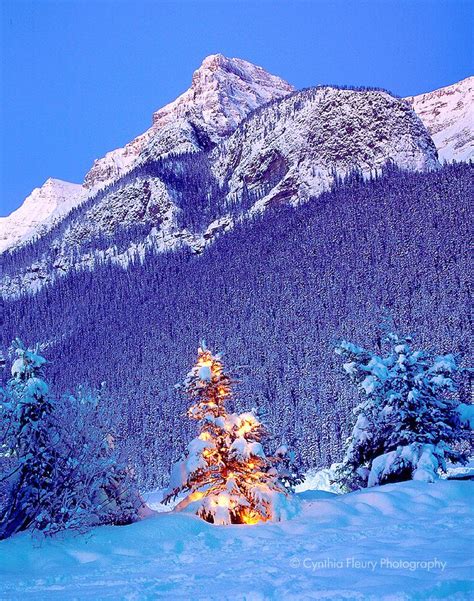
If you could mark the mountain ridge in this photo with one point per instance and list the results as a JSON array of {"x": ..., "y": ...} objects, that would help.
[
  {"x": 235, "y": 87},
  {"x": 224, "y": 93},
  {"x": 448, "y": 114},
  {"x": 291, "y": 149},
  {"x": 49, "y": 202}
]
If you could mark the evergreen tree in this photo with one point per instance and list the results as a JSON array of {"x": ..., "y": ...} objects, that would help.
[
  {"x": 225, "y": 471},
  {"x": 58, "y": 466},
  {"x": 25, "y": 411},
  {"x": 94, "y": 483},
  {"x": 287, "y": 467},
  {"x": 408, "y": 422}
]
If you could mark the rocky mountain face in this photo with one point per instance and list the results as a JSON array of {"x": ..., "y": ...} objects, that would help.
[
  {"x": 448, "y": 114},
  {"x": 45, "y": 205},
  {"x": 222, "y": 93},
  {"x": 290, "y": 149},
  {"x": 238, "y": 140},
  {"x": 293, "y": 149}
]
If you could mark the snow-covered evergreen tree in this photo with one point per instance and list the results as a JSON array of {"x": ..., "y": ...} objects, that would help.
[
  {"x": 95, "y": 484},
  {"x": 287, "y": 467},
  {"x": 225, "y": 471},
  {"x": 408, "y": 421},
  {"x": 58, "y": 466},
  {"x": 27, "y": 442}
]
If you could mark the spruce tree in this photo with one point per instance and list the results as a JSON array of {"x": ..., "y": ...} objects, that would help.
[
  {"x": 58, "y": 465},
  {"x": 288, "y": 470},
  {"x": 25, "y": 411},
  {"x": 225, "y": 472},
  {"x": 408, "y": 423}
]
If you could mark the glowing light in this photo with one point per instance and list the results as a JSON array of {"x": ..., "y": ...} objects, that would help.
[
  {"x": 250, "y": 517},
  {"x": 196, "y": 496},
  {"x": 246, "y": 427},
  {"x": 229, "y": 482},
  {"x": 222, "y": 500}
]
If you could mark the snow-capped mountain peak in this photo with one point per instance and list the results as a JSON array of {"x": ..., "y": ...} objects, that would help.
[
  {"x": 290, "y": 150},
  {"x": 223, "y": 91},
  {"x": 39, "y": 210},
  {"x": 448, "y": 114}
]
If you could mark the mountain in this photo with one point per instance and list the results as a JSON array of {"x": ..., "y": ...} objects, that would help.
[
  {"x": 223, "y": 91},
  {"x": 295, "y": 148},
  {"x": 448, "y": 114},
  {"x": 40, "y": 210},
  {"x": 290, "y": 149}
]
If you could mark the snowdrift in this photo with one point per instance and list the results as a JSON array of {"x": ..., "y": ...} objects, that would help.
[{"x": 400, "y": 541}]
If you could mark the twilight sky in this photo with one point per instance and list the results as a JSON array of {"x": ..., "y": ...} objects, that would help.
[{"x": 81, "y": 77}]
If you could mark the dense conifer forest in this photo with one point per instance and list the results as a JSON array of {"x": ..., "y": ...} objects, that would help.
[{"x": 275, "y": 294}]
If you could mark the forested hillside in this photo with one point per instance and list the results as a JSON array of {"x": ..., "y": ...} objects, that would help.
[
  {"x": 274, "y": 294},
  {"x": 290, "y": 149}
]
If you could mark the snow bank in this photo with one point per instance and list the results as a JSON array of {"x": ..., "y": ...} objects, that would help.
[
  {"x": 320, "y": 479},
  {"x": 423, "y": 461},
  {"x": 410, "y": 540}
]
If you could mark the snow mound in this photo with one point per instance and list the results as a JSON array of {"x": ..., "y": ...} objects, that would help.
[
  {"x": 410, "y": 540},
  {"x": 466, "y": 415},
  {"x": 320, "y": 479}
]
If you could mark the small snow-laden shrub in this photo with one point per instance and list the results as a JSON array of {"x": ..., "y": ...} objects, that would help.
[
  {"x": 411, "y": 462},
  {"x": 409, "y": 422},
  {"x": 289, "y": 472},
  {"x": 466, "y": 415},
  {"x": 95, "y": 483},
  {"x": 321, "y": 479},
  {"x": 59, "y": 466},
  {"x": 225, "y": 473}
]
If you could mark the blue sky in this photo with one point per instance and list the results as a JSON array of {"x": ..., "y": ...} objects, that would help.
[{"x": 81, "y": 77}]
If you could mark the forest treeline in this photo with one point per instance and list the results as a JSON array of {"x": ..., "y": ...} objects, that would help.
[{"x": 276, "y": 293}]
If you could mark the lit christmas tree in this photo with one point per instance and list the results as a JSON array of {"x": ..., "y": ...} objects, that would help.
[{"x": 225, "y": 471}]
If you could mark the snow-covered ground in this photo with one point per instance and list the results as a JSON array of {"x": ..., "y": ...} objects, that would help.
[{"x": 400, "y": 541}]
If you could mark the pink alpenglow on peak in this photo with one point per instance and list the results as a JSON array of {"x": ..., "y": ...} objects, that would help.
[
  {"x": 448, "y": 115},
  {"x": 40, "y": 210},
  {"x": 223, "y": 91},
  {"x": 295, "y": 145}
]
